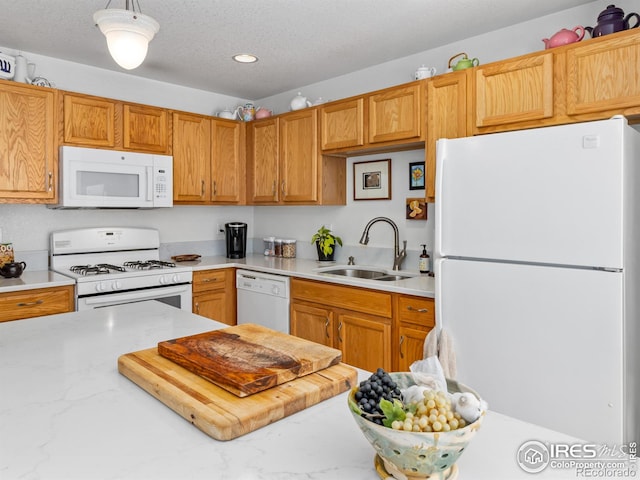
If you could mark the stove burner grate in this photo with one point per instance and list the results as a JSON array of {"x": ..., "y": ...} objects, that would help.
[{"x": 149, "y": 264}]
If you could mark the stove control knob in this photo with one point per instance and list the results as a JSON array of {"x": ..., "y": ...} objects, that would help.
[
  {"x": 101, "y": 287},
  {"x": 175, "y": 278},
  {"x": 162, "y": 280},
  {"x": 117, "y": 285}
]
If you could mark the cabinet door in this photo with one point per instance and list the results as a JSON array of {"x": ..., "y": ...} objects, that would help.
[
  {"x": 37, "y": 302},
  {"x": 315, "y": 323},
  {"x": 365, "y": 340},
  {"x": 28, "y": 159},
  {"x": 603, "y": 76},
  {"x": 446, "y": 118},
  {"x": 514, "y": 91},
  {"x": 263, "y": 161},
  {"x": 342, "y": 124},
  {"x": 212, "y": 305},
  {"x": 299, "y": 156},
  {"x": 89, "y": 121},
  {"x": 145, "y": 129},
  {"x": 395, "y": 114},
  {"x": 227, "y": 166},
  {"x": 410, "y": 345},
  {"x": 191, "y": 158}
]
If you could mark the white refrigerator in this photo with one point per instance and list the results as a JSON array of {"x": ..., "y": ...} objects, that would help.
[{"x": 537, "y": 269}]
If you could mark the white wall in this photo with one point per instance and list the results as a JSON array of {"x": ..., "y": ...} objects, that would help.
[
  {"x": 508, "y": 42},
  {"x": 28, "y": 226}
]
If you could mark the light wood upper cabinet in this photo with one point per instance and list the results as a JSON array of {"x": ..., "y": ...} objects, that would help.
[
  {"x": 299, "y": 156},
  {"x": 515, "y": 91},
  {"x": 28, "y": 156},
  {"x": 146, "y": 129},
  {"x": 98, "y": 122},
  {"x": 285, "y": 166},
  {"x": 191, "y": 158},
  {"x": 263, "y": 153},
  {"x": 342, "y": 124},
  {"x": 447, "y": 117},
  {"x": 227, "y": 162},
  {"x": 89, "y": 121},
  {"x": 395, "y": 114},
  {"x": 603, "y": 76}
]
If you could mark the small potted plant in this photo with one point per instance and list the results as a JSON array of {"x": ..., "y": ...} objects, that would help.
[{"x": 325, "y": 243}]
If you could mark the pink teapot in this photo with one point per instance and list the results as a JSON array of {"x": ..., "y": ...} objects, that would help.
[
  {"x": 263, "y": 113},
  {"x": 564, "y": 37}
]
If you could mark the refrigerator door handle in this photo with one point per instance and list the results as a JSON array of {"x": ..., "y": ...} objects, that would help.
[{"x": 441, "y": 153}]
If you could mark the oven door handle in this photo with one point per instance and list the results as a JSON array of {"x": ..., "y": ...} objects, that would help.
[{"x": 139, "y": 295}]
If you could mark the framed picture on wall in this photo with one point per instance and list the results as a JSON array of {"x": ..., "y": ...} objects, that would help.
[
  {"x": 416, "y": 176},
  {"x": 372, "y": 180}
]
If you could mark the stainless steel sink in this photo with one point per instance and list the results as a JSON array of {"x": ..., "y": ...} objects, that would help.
[
  {"x": 367, "y": 273},
  {"x": 392, "y": 278},
  {"x": 357, "y": 273}
]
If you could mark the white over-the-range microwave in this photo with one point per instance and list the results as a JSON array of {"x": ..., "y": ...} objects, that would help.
[{"x": 96, "y": 178}]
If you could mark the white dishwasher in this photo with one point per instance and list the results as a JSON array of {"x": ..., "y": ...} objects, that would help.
[{"x": 263, "y": 299}]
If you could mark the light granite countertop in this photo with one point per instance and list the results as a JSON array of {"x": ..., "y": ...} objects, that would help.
[
  {"x": 419, "y": 285},
  {"x": 31, "y": 279},
  {"x": 66, "y": 413}
]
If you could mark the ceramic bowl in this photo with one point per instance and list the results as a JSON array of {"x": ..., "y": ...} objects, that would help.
[{"x": 417, "y": 455}]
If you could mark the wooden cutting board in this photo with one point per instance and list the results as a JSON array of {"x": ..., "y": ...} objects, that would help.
[
  {"x": 246, "y": 359},
  {"x": 219, "y": 413}
]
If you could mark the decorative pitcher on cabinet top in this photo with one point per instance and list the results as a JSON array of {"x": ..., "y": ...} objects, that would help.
[
  {"x": 564, "y": 37},
  {"x": 612, "y": 20}
]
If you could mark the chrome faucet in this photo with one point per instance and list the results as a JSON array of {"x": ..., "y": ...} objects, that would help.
[{"x": 398, "y": 256}]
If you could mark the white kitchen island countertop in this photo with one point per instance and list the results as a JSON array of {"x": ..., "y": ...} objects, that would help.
[{"x": 66, "y": 413}]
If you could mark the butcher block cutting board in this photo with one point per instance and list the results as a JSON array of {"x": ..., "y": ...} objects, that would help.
[
  {"x": 246, "y": 359},
  {"x": 222, "y": 414}
]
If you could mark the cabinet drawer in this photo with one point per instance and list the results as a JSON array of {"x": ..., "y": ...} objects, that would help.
[
  {"x": 418, "y": 310},
  {"x": 209, "y": 280},
  {"x": 350, "y": 298},
  {"x": 36, "y": 302}
]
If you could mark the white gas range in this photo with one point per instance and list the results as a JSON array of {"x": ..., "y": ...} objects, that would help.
[{"x": 116, "y": 265}]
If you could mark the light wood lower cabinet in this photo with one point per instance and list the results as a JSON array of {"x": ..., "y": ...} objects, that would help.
[
  {"x": 372, "y": 328},
  {"x": 415, "y": 317},
  {"x": 36, "y": 302},
  {"x": 354, "y": 320},
  {"x": 214, "y": 294}
]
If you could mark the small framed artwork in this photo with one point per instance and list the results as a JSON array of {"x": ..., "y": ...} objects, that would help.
[
  {"x": 416, "y": 176},
  {"x": 416, "y": 209},
  {"x": 372, "y": 180}
]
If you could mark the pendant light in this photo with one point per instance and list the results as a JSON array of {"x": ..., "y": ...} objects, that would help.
[{"x": 128, "y": 33}]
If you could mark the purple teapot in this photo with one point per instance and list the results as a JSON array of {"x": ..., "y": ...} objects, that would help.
[
  {"x": 612, "y": 20},
  {"x": 564, "y": 37}
]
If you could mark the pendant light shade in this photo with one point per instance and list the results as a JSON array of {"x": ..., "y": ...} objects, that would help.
[{"x": 128, "y": 34}]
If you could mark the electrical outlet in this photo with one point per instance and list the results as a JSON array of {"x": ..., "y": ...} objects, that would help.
[{"x": 220, "y": 230}]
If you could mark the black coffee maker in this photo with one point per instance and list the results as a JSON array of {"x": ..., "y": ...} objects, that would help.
[{"x": 236, "y": 233}]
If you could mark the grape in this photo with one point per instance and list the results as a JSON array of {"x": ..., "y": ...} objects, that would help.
[{"x": 370, "y": 391}]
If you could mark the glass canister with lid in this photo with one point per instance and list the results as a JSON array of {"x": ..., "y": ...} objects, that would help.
[
  {"x": 269, "y": 246},
  {"x": 288, "y": 248}
]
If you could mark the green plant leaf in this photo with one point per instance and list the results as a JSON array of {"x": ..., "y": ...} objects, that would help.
[{"x": 392, "y": 411}]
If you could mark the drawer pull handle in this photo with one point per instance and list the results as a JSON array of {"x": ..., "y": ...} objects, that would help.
[
  {"x": 326, "y": 328},
  {"x": 419, "y": 310},
  {"x": 339, "y": 329},
  {"x": 206, "y": 280},
  {"x": 401, "y": 342},
  {"x": 31, "y": 304}
]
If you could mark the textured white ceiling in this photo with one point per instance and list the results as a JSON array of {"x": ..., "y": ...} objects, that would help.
[{"x": 299, "y": 42}]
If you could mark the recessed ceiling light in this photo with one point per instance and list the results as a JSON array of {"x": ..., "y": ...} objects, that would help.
[{"x": 245, "y": 58}]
